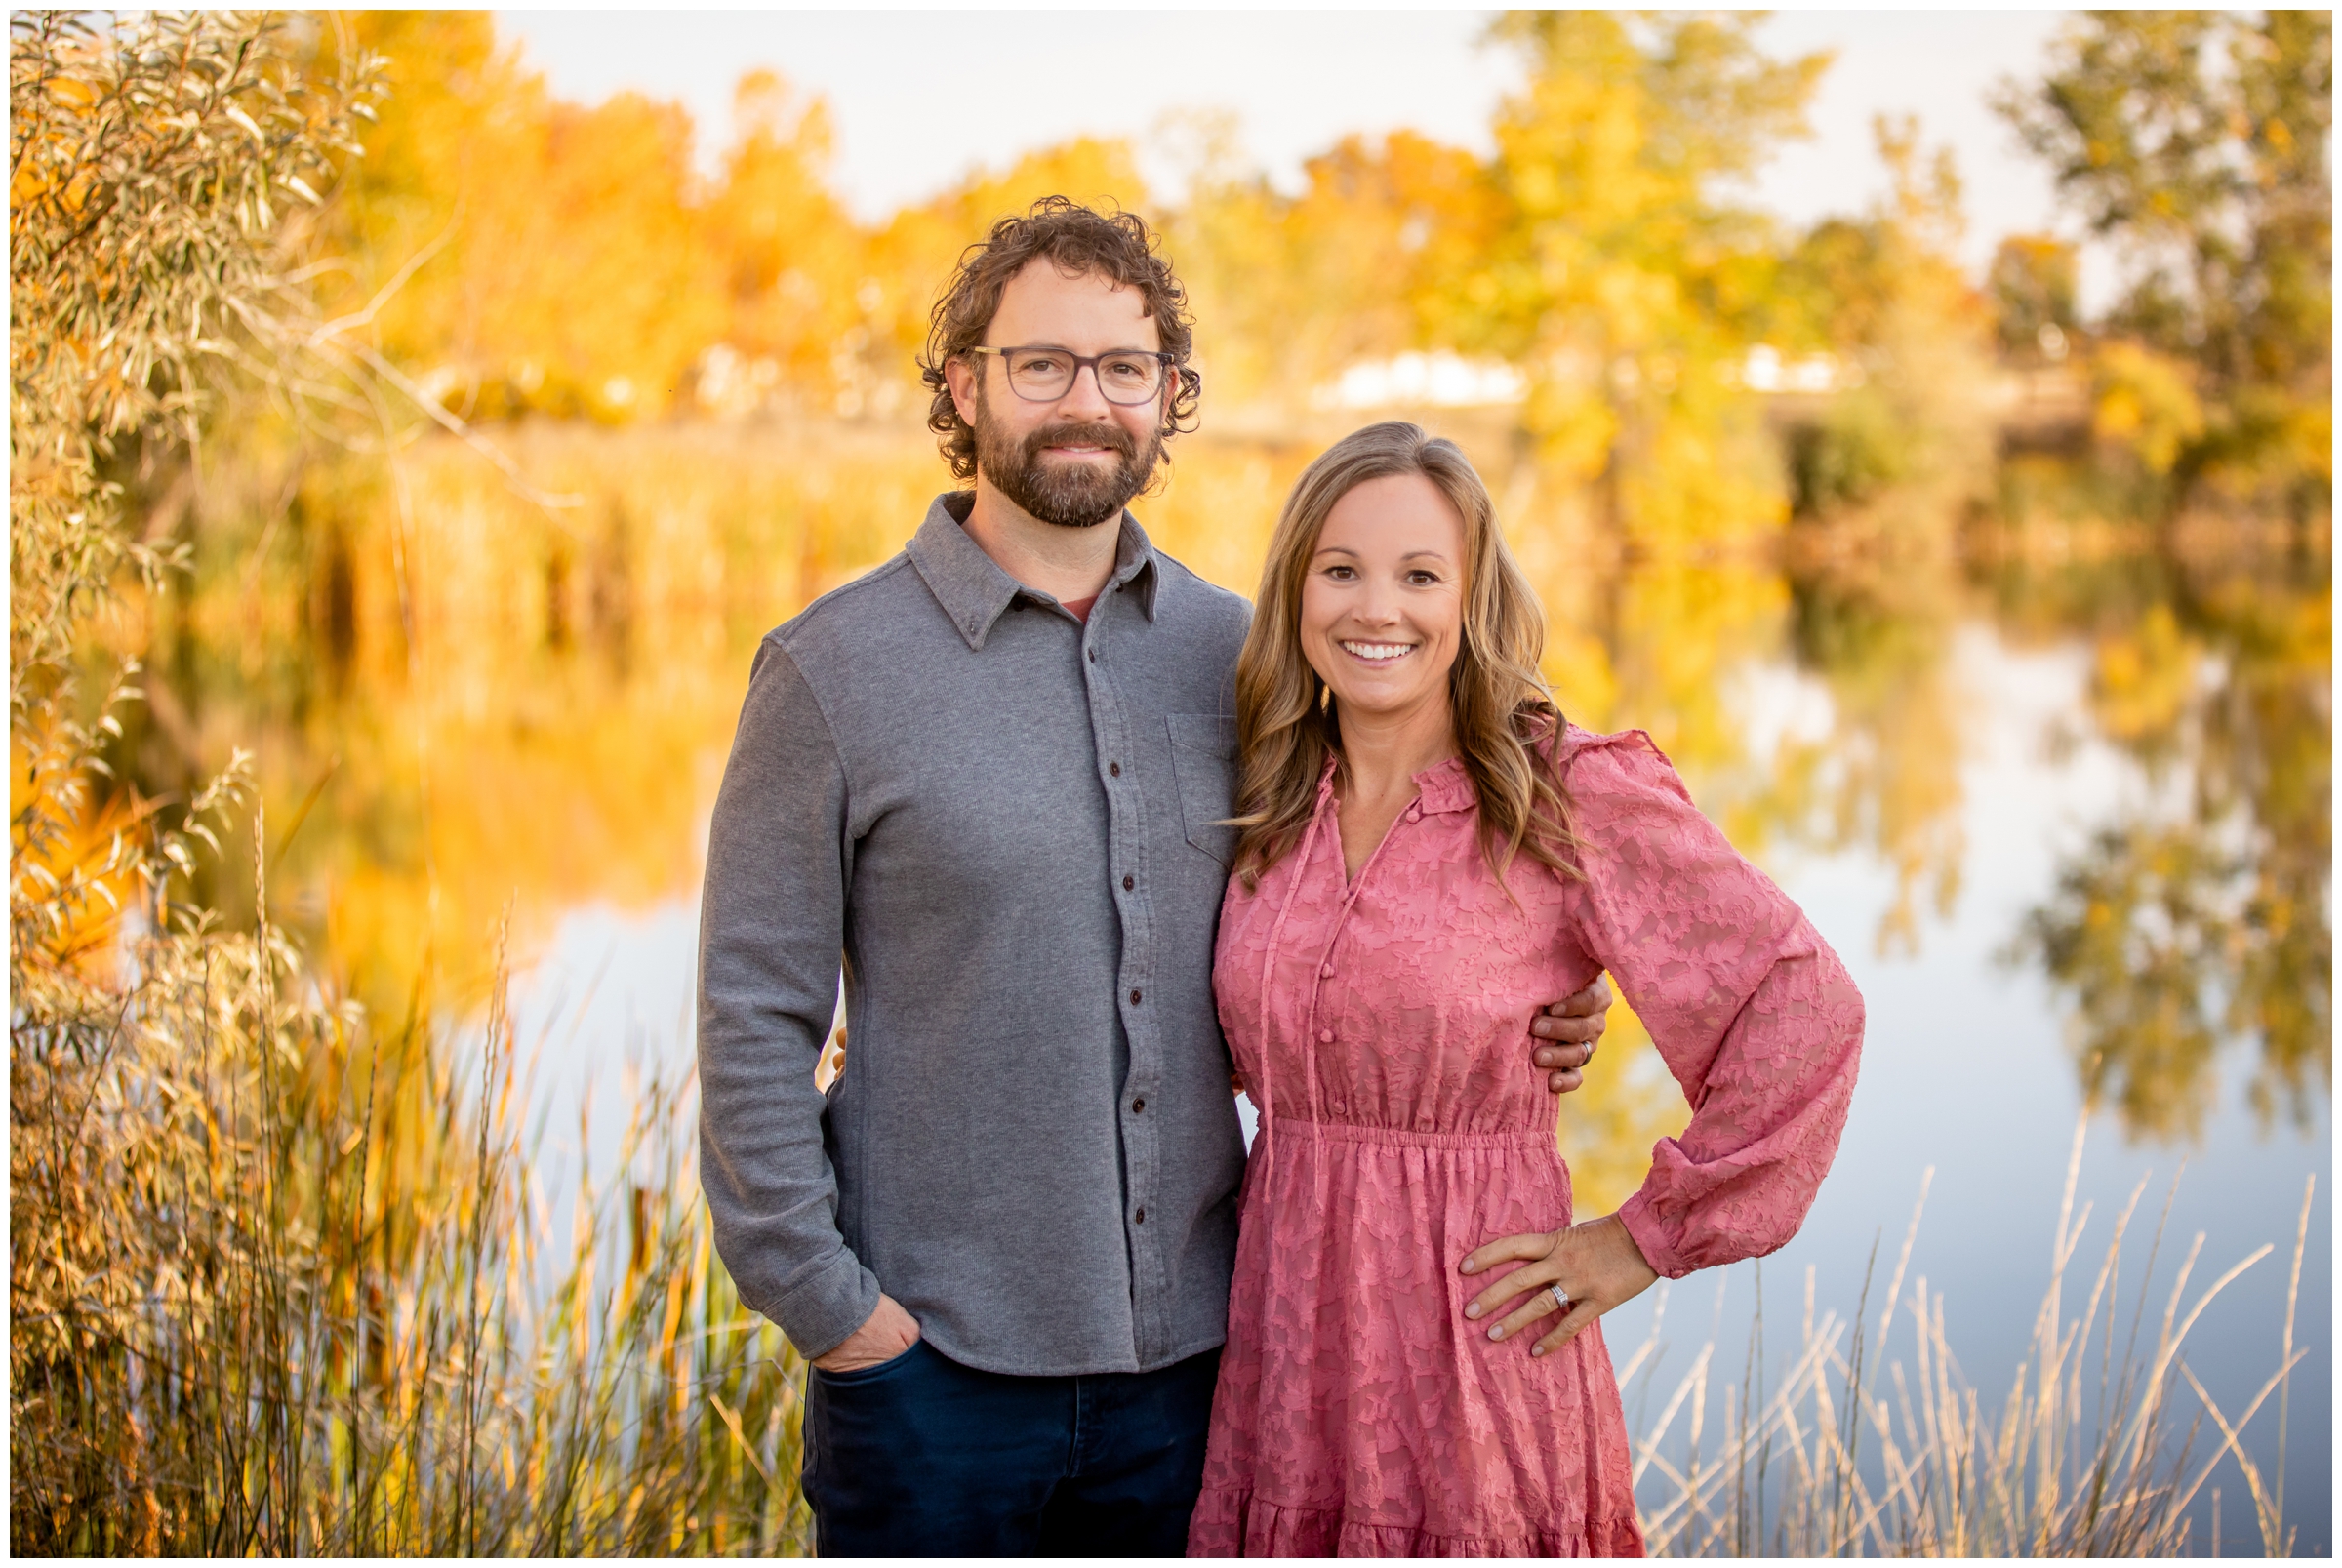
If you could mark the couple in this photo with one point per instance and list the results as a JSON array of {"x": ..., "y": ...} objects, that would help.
[{"x": 1082, "y": 827}]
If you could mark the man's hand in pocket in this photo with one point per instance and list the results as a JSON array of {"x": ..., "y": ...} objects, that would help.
[{"x": 885, "y": 1334}]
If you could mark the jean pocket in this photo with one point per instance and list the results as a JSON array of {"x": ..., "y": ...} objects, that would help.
[
  {"x": 870, "y": 1373},
  {"x": 1203, "y": 761}
]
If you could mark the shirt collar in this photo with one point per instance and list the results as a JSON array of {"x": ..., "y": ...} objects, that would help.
[{"x": 974, "y": 591}]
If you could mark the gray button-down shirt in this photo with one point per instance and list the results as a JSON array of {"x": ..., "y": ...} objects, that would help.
[{"x": 1002, "y": 818}]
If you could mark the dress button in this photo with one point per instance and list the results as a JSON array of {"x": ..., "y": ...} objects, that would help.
[
  {"x": 1137, "y": 1106},
  {"x": 1325, "y": 1036},
  {"x": 1129, "y": 882},
  {"x": 1134, "y": 999},
  {"x": 1115, "y": 768},
  {"x": 1328, "y": 971}
]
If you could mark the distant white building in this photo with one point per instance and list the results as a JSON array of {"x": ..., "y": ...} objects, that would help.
[
  {"x": 1766, "y": 371},
  {"x": 1439, "y": 380}
]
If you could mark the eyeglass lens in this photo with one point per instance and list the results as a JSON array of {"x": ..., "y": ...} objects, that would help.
[{"x": 1043, "y": 374}]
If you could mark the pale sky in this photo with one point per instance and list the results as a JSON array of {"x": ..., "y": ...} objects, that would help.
[{"x": 920, "y": 98}]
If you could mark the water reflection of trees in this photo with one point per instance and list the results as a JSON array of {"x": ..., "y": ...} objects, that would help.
[
  {"x": 2202, "y": 918},
  {"x": 1885, "y": 778}
]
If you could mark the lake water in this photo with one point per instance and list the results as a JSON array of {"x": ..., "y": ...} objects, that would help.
[{"x": 2125, "y": 754}]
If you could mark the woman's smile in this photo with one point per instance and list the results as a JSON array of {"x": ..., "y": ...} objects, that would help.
[{"x": 1378, "y": 653}]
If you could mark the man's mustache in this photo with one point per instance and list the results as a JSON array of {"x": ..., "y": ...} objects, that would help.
[{"x": 1112, "y": 437}]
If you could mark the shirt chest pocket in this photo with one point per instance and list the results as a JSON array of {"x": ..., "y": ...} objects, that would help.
[{"x": 1203, "y": 760}]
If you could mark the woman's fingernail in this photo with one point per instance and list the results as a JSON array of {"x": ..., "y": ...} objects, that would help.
[
  {"x": 1497, "y": 1333},
  {"x": 1474, "y": 1311},
  {"x": 1536, "y": 1349},
  {"x": 1470, "y": 1268}
]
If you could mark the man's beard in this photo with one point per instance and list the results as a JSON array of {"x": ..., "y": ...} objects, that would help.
[{"x": 1069, "y": 495}]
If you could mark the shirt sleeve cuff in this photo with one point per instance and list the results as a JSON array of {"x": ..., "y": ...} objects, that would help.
[
  {"x": 1650, "y": 1237},
  {"x": 820, "y": 1314}
]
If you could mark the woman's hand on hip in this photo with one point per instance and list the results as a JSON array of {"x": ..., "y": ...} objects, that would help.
[{"x": 1596, "y": 1264}]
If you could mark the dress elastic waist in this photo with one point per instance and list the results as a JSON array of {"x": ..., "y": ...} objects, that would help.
[{"x": 1538, "y": 1138}]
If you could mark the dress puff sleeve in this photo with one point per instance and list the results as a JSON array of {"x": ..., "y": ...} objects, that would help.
[{"x": 1753, "y": 1013}]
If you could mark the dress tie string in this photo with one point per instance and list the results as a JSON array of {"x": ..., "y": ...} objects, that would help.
[{"x": 1277, "y": 930}]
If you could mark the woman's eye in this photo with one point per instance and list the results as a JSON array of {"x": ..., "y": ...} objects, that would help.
[
  {"x": 1424, "y": 580},
  {"x": 1342, "y": 574}
]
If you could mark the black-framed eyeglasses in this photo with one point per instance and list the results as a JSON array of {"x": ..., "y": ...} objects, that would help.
[{"x": 1125, "y": 376}]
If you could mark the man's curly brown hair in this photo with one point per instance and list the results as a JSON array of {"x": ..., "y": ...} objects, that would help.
[{"x": 1115, "y": 245}]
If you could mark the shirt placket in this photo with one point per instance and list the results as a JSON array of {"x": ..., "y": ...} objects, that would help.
[
  {"x": 1324, "y": 1005},
  {"x": 1126, "y": 819}
]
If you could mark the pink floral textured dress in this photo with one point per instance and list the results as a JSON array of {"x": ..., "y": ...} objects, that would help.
[{"x": 1382, "y": 1023}]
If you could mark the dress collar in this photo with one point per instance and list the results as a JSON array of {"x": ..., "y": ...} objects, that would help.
[{"x": 1442, "y": 786}]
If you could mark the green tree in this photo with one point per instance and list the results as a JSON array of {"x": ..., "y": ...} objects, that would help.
[
  {"x": 2197, "y": 143},
  {"x": 1885, "y": 296},
  {"x": 2034, "y": 290}
]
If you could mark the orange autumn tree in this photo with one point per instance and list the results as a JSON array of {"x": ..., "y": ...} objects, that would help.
[{"x": 518, "y": 253}]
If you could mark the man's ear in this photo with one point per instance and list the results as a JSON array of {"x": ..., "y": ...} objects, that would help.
[{"x": 960, "y": 377}]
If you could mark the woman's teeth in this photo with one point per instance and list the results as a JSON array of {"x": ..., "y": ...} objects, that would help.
[{"x": 1378, "y": 653}]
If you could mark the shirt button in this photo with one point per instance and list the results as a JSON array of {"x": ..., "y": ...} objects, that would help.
[
  {"x": 1115, "y": 768},
  {"x": 1134, "y": 999},
  {"x": 1137, "y": 1106},
  {"x": 1140, "y": 1217},
  {"x": 1129, "y": 882},
  {"x": 1093, "y": 656}
]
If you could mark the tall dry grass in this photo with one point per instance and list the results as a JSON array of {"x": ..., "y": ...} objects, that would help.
[
  {"x": 2090, "y": 1452},
  {"x": 250, "y": 1323}
]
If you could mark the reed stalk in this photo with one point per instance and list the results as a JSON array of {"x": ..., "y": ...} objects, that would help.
[{"x": 2053, "y": 1473}]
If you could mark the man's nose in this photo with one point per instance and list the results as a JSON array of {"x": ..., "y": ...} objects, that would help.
[{"x": 1085, "y": 399}]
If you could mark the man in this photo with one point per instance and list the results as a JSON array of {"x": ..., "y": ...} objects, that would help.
[{"x": 991, "y": 774}]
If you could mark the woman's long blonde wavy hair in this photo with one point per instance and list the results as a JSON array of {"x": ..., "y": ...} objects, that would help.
[{"x": 1286, "y": 725}]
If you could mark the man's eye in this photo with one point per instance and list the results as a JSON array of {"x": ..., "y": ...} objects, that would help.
[{"x": 1039, "y": 365}]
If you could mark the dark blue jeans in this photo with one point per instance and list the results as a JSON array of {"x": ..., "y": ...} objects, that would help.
[{"x": 921, "y": 1456}]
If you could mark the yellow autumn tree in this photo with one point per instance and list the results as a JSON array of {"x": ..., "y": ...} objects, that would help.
[
  {"x": 1290, "y": 292},
  {"x": 1619, "y": 278},
  {"x": 796, "y": 263}
]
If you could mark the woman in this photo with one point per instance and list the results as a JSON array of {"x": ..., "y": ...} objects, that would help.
[{"x": 1413, "y": 1364}]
